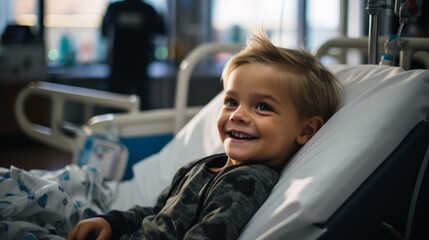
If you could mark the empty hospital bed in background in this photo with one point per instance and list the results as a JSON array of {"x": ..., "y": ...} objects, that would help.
[
  {"x": 362, "y": 176},
  {"x": 152, "y": 129}
]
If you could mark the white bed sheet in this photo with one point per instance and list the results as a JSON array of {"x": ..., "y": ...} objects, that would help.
[{"x": 381, "y": 105}]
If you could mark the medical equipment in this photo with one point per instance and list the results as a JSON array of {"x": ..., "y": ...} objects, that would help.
[
  {"x": 20, "y": 62},
  {"x": 22, "y": 55},
  {"x": 411, "y": 49},
  {"x": 404, "y": 9},
  {"x": 374, "y": 9}
]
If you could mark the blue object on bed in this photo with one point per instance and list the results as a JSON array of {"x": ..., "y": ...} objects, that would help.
[{"x": 141, "y": 149}]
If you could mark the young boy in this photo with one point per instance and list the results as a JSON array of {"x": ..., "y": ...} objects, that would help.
[{"x": 275, "y": 100}]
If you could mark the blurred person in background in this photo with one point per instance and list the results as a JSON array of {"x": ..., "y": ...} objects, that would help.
[{"x": 130, "y": 27}]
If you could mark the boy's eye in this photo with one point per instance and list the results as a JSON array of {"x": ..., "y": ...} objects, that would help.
[
  {"x": 264, "y": 107},
  {"x": 230, "y": 102}
]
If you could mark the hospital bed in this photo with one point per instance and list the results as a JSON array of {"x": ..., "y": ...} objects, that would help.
[
  {"x": 152, "y": 129},
  {"x": 355, "y": 179},
  {"x": 362, "y": 176}
]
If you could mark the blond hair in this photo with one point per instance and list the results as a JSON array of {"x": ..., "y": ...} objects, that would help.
[{"x": 315, "y": 91}]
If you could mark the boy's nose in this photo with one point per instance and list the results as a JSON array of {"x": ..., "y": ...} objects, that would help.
[{"x": 240, "y": 115}]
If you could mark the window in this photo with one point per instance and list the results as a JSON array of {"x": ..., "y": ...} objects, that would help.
[
  {"x": 233, "y": 20},
  {"x": 72, "y": 27},
  {"x": 72, "y": 30},
  {"x": 322, "y": 19},
  {"x": 281, "y": 20}
]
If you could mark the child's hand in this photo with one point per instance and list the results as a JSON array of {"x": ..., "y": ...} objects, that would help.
[{"x": 97, "y": 228}]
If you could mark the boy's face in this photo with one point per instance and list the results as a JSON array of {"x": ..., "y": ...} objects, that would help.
[{"x": 258, "y": 121}]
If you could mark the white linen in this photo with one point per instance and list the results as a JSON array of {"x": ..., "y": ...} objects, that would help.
[{"x": 40, "y": 204}]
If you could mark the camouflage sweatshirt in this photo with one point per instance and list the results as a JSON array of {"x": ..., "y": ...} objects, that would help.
[{"x": 200, "y": 203}]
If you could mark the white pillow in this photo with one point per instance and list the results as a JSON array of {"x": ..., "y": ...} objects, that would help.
[{"x": 381, "y": 105}]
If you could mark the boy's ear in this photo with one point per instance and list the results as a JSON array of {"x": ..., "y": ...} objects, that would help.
[{"x": 310, "y": 128}]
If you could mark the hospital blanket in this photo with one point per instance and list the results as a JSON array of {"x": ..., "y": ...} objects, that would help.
[{"x": 40, "y": 204}]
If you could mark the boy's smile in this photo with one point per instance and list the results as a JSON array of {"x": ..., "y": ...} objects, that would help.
[
  {"x": 240, "y": 135},
  {"x": 258, "y": 121},
  {"x": 238, "y": 139}
]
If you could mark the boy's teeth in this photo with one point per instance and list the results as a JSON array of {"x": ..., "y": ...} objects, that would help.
[{"x": 240, "y": 135}]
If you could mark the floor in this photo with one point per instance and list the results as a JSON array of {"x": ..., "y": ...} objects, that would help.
[{"x": 24, "y": 153}]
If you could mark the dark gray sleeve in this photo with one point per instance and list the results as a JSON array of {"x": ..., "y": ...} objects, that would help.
[
  {"x": 231, "y": 200},
  {"x": 126, "y": 222}
]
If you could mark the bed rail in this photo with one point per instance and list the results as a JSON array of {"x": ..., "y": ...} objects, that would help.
[
  {"x": 155, "y": 121},
  {"x": 172, "y": 119},
  {"x": 59, "y": 95},
  {"x": 185, "y": 71},
  {"x": 410, "y": 48}
]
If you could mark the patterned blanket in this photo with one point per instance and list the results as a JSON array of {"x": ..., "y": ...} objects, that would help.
[{"x": 39, "y": 204}]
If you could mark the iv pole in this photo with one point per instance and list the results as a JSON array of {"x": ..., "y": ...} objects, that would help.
[
  {"x": 374, "y": 9},
  {"x": 404, "y": 9}
]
